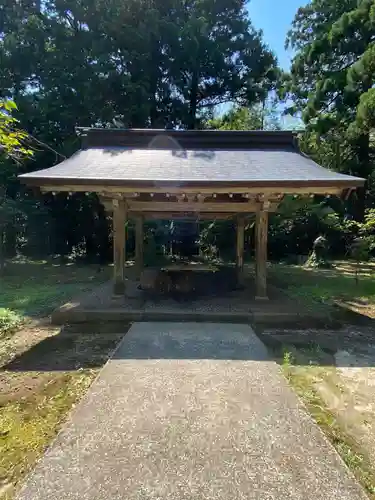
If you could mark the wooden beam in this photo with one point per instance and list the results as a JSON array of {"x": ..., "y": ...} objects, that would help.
[
  {"x": 139, "y": 237},
  {"x": 119, "y": 245},
  {"x": 209, "y": 207},
  {"x": 213, "y": 213},
  {"x": 240, "y": 248},
  {"x": 261, "y": 233},
  {"x": 185, "y": 215}
]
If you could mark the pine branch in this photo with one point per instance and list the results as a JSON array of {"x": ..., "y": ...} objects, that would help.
[{"x": 41, "y": 143}]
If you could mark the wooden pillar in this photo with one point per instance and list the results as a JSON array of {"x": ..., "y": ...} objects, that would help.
[
  {"x": 261, "y": 233},
  {"x": 240, "y": 248},
  {"x": 139, "y": 245},
  {"x": 119, "y": 245}
]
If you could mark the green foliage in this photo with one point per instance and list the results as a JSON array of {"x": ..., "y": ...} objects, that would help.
[
  {"x": 360, "y": 249},
  {"x": 331, "y": 84},
  {"x": 9, "y": 321},
  {"x": 12, "y": 146},
  {"x": 237, "y": 119},
  {"x": 140, "y": 63},
  {"x": 12, "y": 140},
  {"x": 258, "y": 117},
  {"x": 299, "y": 221},
  {"x": 287, "y": 362},
  {"x": 366, "y": 110},
  {"x": 217, "y": 239}
]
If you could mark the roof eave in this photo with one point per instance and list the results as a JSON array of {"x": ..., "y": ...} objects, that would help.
[{"x": 60, "y": 181}]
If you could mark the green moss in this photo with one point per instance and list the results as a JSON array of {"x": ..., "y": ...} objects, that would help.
[{"x": 28, "y": 425}]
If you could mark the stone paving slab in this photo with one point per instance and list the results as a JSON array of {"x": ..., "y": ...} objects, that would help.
[{"x": 189, "y": 411}]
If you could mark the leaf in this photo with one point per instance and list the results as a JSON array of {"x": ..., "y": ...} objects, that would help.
[{"x": 10, "y": 105}]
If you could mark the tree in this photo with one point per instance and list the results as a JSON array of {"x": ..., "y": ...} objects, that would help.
[
  {"x": 332, "y": 78},
  {"x": 257, "y": 117},
  {"x": 12, "y": 147},
  {"x": 219, "y": 57},
  {"x": 237, "y": 118},
  {"x": 147, "y": 62}
]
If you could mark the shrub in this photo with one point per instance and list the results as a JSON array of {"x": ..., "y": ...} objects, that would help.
[{"x": 9, "y": 321}]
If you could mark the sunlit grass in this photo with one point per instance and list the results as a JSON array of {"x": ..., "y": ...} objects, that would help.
[
  {"x": 315, "y": 287},
  {"x": 36, "y": 287},
  {"x": 306, "y": 369},
  {"x": 303, "y": 377}
]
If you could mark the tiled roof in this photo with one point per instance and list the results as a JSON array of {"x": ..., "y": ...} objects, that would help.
[{"x": 121, "y": 157}]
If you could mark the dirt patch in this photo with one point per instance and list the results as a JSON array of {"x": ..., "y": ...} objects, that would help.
[
  {"x": 356, "y": 371},
  {"x": 17, "y": 386}
]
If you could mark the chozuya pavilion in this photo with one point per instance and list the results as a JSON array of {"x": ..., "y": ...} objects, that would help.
[{"x": 206, "y": 174}]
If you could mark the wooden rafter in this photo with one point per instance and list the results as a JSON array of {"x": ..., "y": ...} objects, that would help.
[{"x": 112, "y": 191}]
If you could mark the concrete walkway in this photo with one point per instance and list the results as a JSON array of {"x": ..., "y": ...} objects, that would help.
[{"x": 189, "y": 411}]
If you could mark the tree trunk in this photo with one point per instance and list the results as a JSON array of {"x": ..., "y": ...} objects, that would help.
[
  {"x": 10, "y": 245},
  {"x": 193, "y": 99},
  {"x": 154, "y": 77},
  {"x": 2, "y": 253},
  {"x": 362, "y": 149}
]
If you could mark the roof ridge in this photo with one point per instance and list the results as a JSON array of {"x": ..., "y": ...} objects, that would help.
[{"x": 185, "y": 139}]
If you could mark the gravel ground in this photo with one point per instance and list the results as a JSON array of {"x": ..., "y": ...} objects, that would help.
[{"x": 190, "y": 411}]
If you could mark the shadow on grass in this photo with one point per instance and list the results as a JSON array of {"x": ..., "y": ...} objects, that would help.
[
  {"x": 67, "y": 352},
  {"x": 349, "y": 347},
  {"x": 71, "y": 352}
]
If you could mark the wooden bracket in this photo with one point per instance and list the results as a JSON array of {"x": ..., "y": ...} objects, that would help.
[
  {"x": 201, "y": 197},
  {"x": 112, "y": 195},
  {"x": 266, "y": 205},
  {"x": 346, "y": 194}
]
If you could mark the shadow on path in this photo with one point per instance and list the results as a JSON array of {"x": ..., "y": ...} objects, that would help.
[{"x": 88, "y": 348}]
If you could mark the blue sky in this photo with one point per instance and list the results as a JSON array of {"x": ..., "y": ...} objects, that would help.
[{"x": 274, "y": 17}]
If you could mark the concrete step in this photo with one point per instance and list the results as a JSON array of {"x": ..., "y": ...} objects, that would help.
[{"x": 109, "y": 319}]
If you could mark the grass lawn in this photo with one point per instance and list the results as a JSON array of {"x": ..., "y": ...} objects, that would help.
[
  {"x": 325, "y": 287},
  {"x": 43, "y": 372},
  {"x": 31, "y": 289},
  {"x": 36, "y": 287},
  {"x": 329, "y": 401}
]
